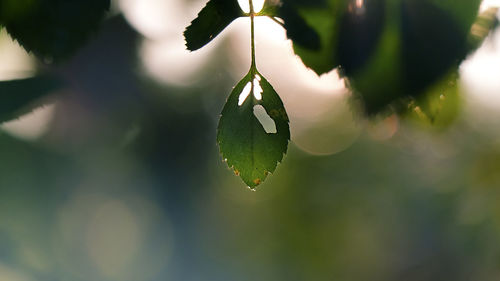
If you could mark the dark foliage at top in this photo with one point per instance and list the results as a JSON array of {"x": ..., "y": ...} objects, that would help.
[{"x": 52, "y": 29}]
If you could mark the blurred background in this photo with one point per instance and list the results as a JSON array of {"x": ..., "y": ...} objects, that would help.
[{"x": 120, "y": 178}]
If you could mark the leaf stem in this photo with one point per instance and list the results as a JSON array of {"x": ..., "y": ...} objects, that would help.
[
  {"x": 276, "y": 21},
  {"x": 253, "y": 67}
]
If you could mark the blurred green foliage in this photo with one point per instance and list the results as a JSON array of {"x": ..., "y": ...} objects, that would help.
[{"x": 390, "y": 50}]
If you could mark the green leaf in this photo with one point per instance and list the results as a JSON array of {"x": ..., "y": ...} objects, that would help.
[
  {"x": 212, "y": 19},
  {"x": 250, "y": 146},
  {"x": 52, "y": 29},
  {"x": 18, "y": 97}
]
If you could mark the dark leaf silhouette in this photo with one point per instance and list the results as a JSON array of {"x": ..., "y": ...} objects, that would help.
[
  {"x": 297, "y": 29},
  {"x": 432, "y": 43},
  {"x": 212, "y": 19},
  {"x": 18, "y": 97},
  {"x": 359, "y": 34},
  {"x": 420, "y": 43},
  {"x": 313, "y": 28},
  {"x": 53, "y": 29},
  {"x": 391, "y": 51}
]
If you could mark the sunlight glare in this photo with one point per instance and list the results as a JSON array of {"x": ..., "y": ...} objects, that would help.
[
  {"x": 245, "y": 93},
  {"x": 257, "y": 5},
  {"x": 168, "y": 61},
  {"x": 479, "y": 80},
  {"x": 155, "y": 18},
  {"x": 480, "y": 74},
  {"x": 257, "y": 89},
  {"x": 357, "y": 7},
  {"x": 265, "y": 120},
  {"x": 486, "y": 4}
]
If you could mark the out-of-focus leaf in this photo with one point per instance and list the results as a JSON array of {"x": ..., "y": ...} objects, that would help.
[
  {"x": 359, "y": 33},
  {"x": 380, "y": 81},
  {"x": 212, "y": 19},
  {"x": 248, "y": 145},
  {"x": 18, "y": 97},
  {"x": 12, "y": 9},
  {"x": 297, "y": 29},
  {"x": 439, "y": 106},
  {"x": 311, "y": 26},
  {"x": 421, "y": 43},
  {"x": 317, "y": 22},
  {"x": 464, "y": 13},
  {"x": 392, "y": 51},
  {"x": 433, "y": 42},
  {"x": 52, "y": 29}
]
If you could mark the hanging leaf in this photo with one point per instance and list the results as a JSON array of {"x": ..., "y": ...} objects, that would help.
[
  {"x": 253, "y": 131},
  {"x": 18, "y": 97},
  {"x": 211, "y": 20},
  {"x": 52, "y": 29}
]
